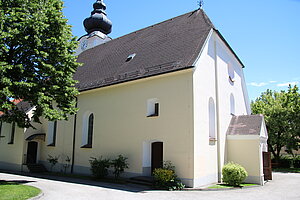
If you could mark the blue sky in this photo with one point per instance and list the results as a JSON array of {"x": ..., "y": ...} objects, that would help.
[{"x": 265, "y": 34}]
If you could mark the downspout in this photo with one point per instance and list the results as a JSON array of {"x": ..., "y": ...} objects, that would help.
[
  {"x": 74, "y": 136},
  {"x": 217, "y": 112}
]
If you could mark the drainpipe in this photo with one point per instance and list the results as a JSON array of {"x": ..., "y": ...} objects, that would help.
[
  {"x": 74, "y": 137},
  {"x": 217, "y": 111}
]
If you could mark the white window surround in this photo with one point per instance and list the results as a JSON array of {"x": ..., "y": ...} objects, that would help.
[
  {"x": 153, "y": 107},
  {"x": 85, "y": 128},
  {"x": 212, "y": 119}
]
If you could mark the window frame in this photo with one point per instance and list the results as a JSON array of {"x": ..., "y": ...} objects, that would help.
[
  {"x": 88, "y": 131},
  {"x": 52, "y": 140},
  {"x": 12, "y": 133},
  {"x": 153, "y": 107}
]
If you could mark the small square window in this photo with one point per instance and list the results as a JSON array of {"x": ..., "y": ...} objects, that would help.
[{"x": 153, "y": 108}]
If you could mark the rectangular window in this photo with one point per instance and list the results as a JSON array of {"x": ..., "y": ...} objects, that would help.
[
  {"x": 152, "y": 108},
  {"x": 12, "y": 134},
  {"x": 156, "y": 109}
]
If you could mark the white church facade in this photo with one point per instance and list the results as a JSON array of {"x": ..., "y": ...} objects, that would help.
[{"x": 174, "y": 91}]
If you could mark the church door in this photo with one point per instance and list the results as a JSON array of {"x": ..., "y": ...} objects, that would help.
[
  {"x": 156, "y": 155},
  {"x": 267, "y": 165},
  {"x": 31, "y": 152}
]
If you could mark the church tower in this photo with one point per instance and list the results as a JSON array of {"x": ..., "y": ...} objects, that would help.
[{"x": 97, "y": 26}]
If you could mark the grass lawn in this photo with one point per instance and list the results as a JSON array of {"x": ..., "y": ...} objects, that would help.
[
  {"x": 16, "y": 191},
  {"x": 286, "y": 170},
  {"x": 224, "y": 186}
]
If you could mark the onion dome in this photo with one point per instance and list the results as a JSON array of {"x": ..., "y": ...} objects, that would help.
[{"x": 98, "y": 20}]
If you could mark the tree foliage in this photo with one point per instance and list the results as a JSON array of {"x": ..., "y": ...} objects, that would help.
[
  {"x": 36, "y": 60},
  {"x": 282, "y": 115}
]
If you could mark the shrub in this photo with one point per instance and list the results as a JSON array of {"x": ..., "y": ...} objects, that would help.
[
  {"x": 119, "y": 164},
  {"x": 99, "y": 167},
  {"x": 234, "y": 174},
  {"x": 286, "y": 161},
  {"x": 165, "y": 178},
  {"x": 53, "y": 161}
]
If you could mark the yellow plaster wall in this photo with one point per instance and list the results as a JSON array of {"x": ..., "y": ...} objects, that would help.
[
  {"x": 121, "y": 124},
  {"x": 11, "y": 155},
  {"x": 246, "y": 153},
  {"x": 63, "y": 146}
]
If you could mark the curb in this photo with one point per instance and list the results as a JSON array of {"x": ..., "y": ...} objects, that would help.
[
  {"x": 220, "y": 189},
  {"x": 37, "y": 197}
]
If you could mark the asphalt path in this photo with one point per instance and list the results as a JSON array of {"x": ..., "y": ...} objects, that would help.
[{"x": 284, "y": 186}]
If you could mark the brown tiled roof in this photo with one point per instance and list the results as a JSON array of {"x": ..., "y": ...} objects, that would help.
[
  {"x": 245, "y": 125},
  {"x": 165, "y": 47},
  {"x": 21, "y": 105}
]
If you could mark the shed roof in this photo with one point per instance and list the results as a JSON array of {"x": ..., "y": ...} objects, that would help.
[{"x": 245, "y": 125}]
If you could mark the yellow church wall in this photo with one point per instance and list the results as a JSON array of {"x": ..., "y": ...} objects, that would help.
[
  {"x": 121, "y": 125},
  {"x": 241, "y": 147},
  {"x": 63, "y": 145},
  {"x": 11, "y": 155}
]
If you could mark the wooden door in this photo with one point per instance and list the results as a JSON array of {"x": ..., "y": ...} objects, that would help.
[
  {"x": 267, "y": 165},
  {"x": 156, "y": 155},
  {"x": 31, "y": 152}
]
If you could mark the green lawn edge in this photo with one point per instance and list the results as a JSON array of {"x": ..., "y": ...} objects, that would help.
[
  {"x": 224, "y": 186},
  {"x": 10, "y": 191}
]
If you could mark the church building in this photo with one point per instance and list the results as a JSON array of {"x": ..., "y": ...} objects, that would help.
[{"x": 174, "y": 91}]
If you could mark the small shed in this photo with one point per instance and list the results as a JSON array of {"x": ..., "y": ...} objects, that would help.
[{"x": 246, "y": 145}]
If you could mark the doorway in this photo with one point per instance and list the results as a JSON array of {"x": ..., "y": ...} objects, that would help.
[
  {"x": 267, "y": 166},
  {"x": 156, "y": 155},
  {"x": 32, "y": 152}
]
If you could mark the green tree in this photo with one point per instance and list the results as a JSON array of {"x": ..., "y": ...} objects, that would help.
[
  {"x": 282, "y": 115},
  {"x": 37, "y": 60}
]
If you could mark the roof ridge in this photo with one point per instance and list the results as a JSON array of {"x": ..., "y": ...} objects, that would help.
[{"x": 151, "y": 26}]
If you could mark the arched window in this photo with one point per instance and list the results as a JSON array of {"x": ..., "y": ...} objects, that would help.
[
  {"x": 0, "y": 128},
  {"x": 230, "y": 73},
  {"x": 232, "y": 105},
  {"x": 52, "y": 129},
  {"x": 90, "y": 130},
  {"x": 12, "y": 133},
  {"x": 212, "y": 119},
  {"x": 87, "y": 130}
]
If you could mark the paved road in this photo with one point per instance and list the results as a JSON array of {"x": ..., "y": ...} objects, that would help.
[{"x": 284, "y": 186}]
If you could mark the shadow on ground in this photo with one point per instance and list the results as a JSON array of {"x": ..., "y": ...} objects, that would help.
[
  {"x": 128, "y": 187},
  {"x": 14, "y": 182}
]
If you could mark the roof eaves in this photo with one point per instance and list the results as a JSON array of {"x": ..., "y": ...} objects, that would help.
[
  {"x": 226, "y": 43},
  {"x": 134, "y": 79}
]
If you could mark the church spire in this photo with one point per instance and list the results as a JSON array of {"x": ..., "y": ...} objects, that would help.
[{"x": 98, "y": 20}]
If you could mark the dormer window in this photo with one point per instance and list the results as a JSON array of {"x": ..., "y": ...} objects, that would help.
[{"x": 130, "y": 57}]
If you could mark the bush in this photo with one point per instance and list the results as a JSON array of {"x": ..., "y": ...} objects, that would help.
[
  {"x": 286, "y": 161},
  {"x": 234, "y": 174},
  {"x": 53, "y": 161},
  {"x": 99, "y": 167},
  {"x": 119, "y": 164},
  {"x": 165, "y": 178}
]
